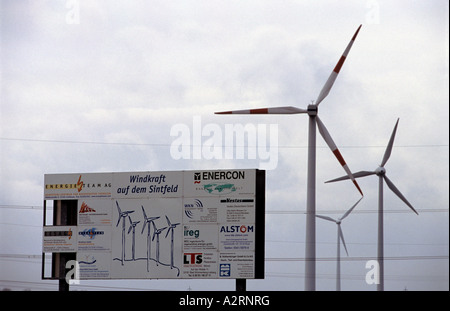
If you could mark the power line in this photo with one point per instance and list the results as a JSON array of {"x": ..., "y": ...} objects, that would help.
[
  {"x": 273, "y": 212},
  {"x": 351, "y": 258},
  {"x": 360, "y": 258},
  {"x": 430, "y": 210},
  {"x": 191, "y": 145},
  {"x": 34, "y": 207}
]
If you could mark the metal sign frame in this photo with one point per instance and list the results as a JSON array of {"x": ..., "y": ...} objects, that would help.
[{"x": 207, "y": 224}]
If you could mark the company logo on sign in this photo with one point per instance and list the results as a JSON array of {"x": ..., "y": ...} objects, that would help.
[
  {"x": 237, "y": 229},
  {"x": 91, "y": 233},
  {"x": 194, "y": 233},
  {"x": 225, "y": 270},
  {"x": 189, "y": 208},
  {"x": 88, "y": 261},
  {"x": 192, "y": 258},
  {"x": 85, "y": 208},
  {"x": 218, "y": 175},
  {"x": 79, "y": 184},
  {"x": 218, "y": 189},
  {"x": 228, "y": 200},
  {"x": 59, "y": 233},
  {"x": 197, "y": 178}
]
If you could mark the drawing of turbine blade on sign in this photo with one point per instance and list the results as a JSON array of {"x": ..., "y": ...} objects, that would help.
[
  {"x": 122, "y": 216},
  {"x": 133, "y": 227},
  {"x": 170, "y": 230},
  {"x": 147, "y": 223},
  {"x": 156, "y": 233}
]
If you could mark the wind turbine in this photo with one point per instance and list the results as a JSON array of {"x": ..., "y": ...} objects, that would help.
[
  {"x": 381, "y": 173},
  {"x": 171, "y": 227},
  {"x": 122, "y": 215},
  {"x": 132, "y": 227},
  {"x": 148, "y": 221},
  {"x": 340, "y": 237},
  {"x": 157, "y": 232},
  {"x": 312, "y": 111}
]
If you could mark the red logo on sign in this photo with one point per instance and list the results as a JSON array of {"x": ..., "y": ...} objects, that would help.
[{"x": 85, "y": 208}]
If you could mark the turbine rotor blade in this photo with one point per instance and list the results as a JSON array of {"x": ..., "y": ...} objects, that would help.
[
  {"x": 326, "y": 218},
  {"x": 350, "y": 210},
  {"x": 398, "y": 193},
  {"x": 356, "y": 175},
  {"x": 274, "y": 110},
  {"x": 329, "y": 84},
  {"x": 327, "y": 137},
  {"x": 145, "y": 215},
  {"x": 388, "y": 151},
  {"x": 341, "y": 235}
]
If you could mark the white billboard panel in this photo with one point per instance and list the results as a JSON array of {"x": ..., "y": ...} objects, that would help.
[
  {"x": 181, "y": 224},
  {"x": 147, "y": 238},
  {"x": 94, "y": 238},
  {"x": 77, "y": 186},
  {"x": 144, "y": 185},
  {"x": 94, "y": 212},
  {"x": 231, "y": 183},
  {"x": 59, "y": 239},
  {"x": 94, "y": 265}
]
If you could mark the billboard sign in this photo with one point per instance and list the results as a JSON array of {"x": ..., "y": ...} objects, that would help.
[{"x": 176, "y": 224}]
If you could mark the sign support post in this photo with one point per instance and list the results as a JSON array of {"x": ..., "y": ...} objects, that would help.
[{"x": 241, "y": 285}]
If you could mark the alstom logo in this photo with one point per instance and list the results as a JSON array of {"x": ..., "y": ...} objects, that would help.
[{"x": 237, "y": 229}]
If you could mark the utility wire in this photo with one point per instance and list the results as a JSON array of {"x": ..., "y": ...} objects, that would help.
[
  {"x": 191, "y": 145},
  {"x": 274, "y": 212}
]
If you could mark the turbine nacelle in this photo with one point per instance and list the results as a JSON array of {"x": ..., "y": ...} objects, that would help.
[
  {"x": 380, "y": 171},
  {"x": 312, "y": 110}
]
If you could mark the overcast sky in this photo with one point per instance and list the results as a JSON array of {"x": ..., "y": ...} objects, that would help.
[{"x": 98, "y": 86}]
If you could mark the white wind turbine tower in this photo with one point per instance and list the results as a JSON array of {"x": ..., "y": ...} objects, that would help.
[
  {"x": 340, "y": 237},
  {"x": 312, "y": 111},
  {"x": 381, "y": 173}
]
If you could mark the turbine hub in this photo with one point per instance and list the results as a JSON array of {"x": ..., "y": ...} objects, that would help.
[
  {"x": 380, "y": 171},
  {"x": 312, "y": 110}
]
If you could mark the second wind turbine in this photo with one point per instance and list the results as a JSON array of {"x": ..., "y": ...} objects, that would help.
[{"x": 312, "y": 111}]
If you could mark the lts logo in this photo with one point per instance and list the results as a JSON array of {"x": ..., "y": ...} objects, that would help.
[{"x": 192, "y": 258}]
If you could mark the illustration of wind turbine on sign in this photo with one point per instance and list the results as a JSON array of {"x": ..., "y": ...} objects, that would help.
[
  {"x": 132, "y": 227},
  {"x": 312, "y": 111},
  {"x": 148, "y": 221},
  {"x": 157, "y": 232},
  {"x": 340, "y": 237},
  {"x": 171, "y": 227},
  {"x": 381, "y": 173},
  {"x": 122, "y": 215}
]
